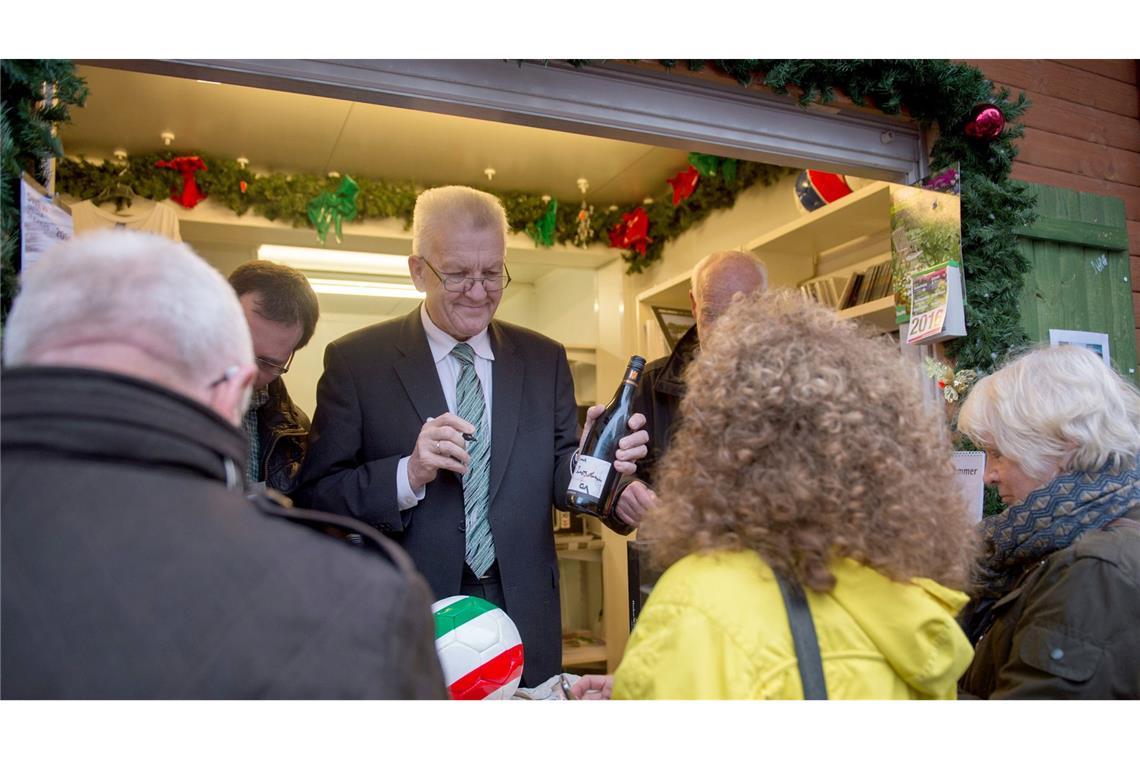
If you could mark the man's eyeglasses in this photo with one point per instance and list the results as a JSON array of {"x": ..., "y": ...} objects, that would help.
[
  {"x": 457, "y": 283},
  {"x": 275, "y": 369}
]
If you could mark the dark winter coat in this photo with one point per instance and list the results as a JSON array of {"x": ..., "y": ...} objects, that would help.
[
  {"x": 1070, "y": 628},
  {"x": 659, "y": 397},
  {"x": 133, "y": 567},
  {"x": 283, "y": 431}
]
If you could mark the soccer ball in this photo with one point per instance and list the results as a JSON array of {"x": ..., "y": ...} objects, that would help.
[{"x": 479, "y": 648}]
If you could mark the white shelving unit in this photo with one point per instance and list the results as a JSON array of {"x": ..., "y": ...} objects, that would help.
[
  {"x": 580, "y": 561},
  {"x": 846, "y": 236}
]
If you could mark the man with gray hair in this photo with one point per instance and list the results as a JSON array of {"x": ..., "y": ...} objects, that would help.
[
  {"x": 453, "y": 432},
  {"x": 133, "y": 565}
]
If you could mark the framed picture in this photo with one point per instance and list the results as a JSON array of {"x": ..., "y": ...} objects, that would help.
[
  {"x": 1093, "y": 341},
  {"x": 674, "y": 323}
]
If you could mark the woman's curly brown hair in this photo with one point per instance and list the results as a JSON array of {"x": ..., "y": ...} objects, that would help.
[{"x": 804, "y": 439}]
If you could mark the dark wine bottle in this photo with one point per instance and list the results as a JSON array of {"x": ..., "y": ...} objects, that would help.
[{"x": 592, "y": 483}]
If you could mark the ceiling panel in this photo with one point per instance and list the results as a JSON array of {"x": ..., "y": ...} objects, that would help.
[
  {"x": 274, "y": 130},
  {"x": 287, "y": 131},
  {"x": 433, "y": 149}
]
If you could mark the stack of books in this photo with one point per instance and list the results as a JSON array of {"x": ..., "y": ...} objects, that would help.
[
  {"x": 846, "y": 291},
  {"x": 823, "y": 290},
  {"x": 871, "y": 284}
]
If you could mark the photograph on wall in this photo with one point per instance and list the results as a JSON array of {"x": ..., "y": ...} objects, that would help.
[
  {"x": 1093, "y": 341},
  {"x": 674, "y": 323}
]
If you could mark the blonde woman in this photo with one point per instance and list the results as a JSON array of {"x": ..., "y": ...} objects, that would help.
[
  {"x": 1056, "y": 613},
  {"x": 804, "y": 449}
]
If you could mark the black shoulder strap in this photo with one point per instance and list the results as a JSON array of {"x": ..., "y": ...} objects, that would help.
[
  {"x": 803, "y": 638},
  {"x": 275, "y": 503}
]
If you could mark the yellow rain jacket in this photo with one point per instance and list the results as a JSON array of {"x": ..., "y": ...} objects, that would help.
[{"x": 715, "y": 628}]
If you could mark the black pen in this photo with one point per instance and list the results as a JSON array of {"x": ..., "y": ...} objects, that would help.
[{"x": 466, "y": 436}]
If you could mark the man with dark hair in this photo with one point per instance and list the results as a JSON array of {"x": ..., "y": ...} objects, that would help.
[{"x": 281, "y": 310}]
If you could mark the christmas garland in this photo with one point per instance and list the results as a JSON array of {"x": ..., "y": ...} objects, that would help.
[{"x": 288, "y": 197}]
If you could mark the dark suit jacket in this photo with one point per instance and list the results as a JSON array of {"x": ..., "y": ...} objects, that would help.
[{"x": 379, "y": 386}]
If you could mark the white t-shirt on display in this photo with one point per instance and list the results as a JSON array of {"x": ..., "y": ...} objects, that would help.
[{"x": 159, "y": 219}]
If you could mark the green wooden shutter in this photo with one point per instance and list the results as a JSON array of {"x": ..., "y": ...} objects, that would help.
[{"x": 1079, "y": 275}]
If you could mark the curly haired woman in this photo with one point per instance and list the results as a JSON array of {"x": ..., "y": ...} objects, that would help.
[
  {"x": 1057, "y": 612},
  {"x": 805, "y": 449}
]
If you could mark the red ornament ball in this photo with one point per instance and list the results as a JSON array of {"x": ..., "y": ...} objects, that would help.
[{"x": 986, "y": 122}]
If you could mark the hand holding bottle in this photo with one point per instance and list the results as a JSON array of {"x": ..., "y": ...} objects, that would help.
[
  {"x": 631, "y": 448},
  {"x": 635, "y": 502},
  {"x": 606, "y": 452}
]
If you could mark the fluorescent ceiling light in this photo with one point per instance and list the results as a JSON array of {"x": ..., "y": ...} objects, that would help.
[
  {"x": 365, "y": 288},
  {"x": 326, "y": 260}
]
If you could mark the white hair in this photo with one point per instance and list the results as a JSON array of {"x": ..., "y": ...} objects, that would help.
[
  {"x": 133, "y": 289},
  {"x": 718, "y": 259},
  {"x": 454, "y": 206},
  {"x": 1056, "y": 406}
]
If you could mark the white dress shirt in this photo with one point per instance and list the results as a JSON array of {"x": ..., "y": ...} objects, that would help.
[{"x": 448, "y": 368}]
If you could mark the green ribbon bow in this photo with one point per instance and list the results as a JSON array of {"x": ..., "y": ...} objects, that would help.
[
  {"x": 708, "y": 166},
  {"x": 333, "y": 208},
  {"x": 543, "y": 232}
]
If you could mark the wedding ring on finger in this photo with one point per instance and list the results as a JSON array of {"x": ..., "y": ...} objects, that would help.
[{"x": 437, "y": 447}]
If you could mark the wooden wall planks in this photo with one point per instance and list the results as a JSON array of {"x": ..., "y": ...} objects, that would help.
[{"x": 1082, "y": 132}]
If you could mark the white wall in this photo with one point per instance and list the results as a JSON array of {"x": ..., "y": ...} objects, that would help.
[
  {"x": 308, "y": 364},
  {"x": 565, "y": 306}
]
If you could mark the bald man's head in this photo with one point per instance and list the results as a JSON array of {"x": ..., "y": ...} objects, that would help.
[{"x": 717, "y": 278}]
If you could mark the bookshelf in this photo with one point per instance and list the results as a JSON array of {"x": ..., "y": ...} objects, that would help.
[{"x": 823, "y": 250}]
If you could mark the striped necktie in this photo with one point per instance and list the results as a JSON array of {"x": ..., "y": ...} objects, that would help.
[{"x": 470, "y": 406}]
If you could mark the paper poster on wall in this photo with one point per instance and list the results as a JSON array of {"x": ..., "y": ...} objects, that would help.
[
  {"x": 936, "y": 305},
  {"x": 970, "y": 469},
  {"x": 42, "y": 223},
  {"x": 926, "y": 231},
  {"x": 1093, "y": 341}
]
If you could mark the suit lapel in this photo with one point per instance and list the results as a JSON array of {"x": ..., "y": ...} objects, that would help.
[
  {"x": 416, "y": 369},
  {"x": 506, "y": 398}
]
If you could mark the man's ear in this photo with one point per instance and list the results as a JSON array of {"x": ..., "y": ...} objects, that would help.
[
  {"x": 230, "y": 398},
  {"x": 416, "y": 270}
]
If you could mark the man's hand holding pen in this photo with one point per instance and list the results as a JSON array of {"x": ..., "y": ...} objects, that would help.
[{"x": 441, "y": 445}]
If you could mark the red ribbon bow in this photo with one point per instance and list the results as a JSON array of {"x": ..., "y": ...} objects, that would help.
[
  {"x": 186, "y": 166},
  {"x": 632, "y": 231},
  {"x": 684, "y": 184}
]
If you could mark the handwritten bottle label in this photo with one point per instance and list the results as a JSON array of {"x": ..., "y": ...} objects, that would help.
[{"x": 589, "y": 476}]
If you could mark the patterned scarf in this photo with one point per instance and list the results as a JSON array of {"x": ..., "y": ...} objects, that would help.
[{"x": 1051, "y": 518}]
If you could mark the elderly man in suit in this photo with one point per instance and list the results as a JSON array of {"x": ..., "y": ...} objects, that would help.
[{"x": 453, "y": 432}]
